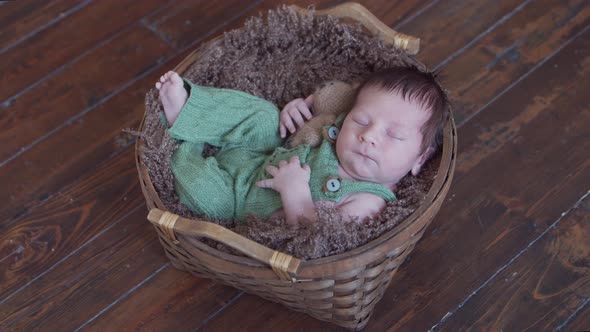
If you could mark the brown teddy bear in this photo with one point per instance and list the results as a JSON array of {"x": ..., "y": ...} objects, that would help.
[{"x": 329, "y": 100}]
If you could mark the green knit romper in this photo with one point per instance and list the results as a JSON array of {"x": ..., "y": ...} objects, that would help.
[{"x": 246, "y": 128}]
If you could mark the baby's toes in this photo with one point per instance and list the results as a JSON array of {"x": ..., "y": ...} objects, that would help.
[
  {"x": 169, "y": 75},
  {"x": 175, "y": 78}
]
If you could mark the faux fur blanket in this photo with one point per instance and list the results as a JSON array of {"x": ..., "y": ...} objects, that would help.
[{"x": 281, "y": 58}]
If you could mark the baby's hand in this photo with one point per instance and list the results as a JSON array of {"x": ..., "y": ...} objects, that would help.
[
  {"x": 289, "y": 176},
  {"x": 294, "y": 111}
]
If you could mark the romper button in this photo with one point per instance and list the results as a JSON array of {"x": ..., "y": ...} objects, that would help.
[
  {"x": 333, "y": 133},
  {"x": 332, "y": 184}
]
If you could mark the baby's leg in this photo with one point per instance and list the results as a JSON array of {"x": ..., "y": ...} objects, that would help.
[
  {"x": 227, "y": 118},
  {"x": 201, "y": 184},
  {"x": 172, "y": 94}
]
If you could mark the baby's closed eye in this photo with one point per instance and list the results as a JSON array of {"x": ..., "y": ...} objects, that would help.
[
  {"x": 394, "y": 135},
  {"x": 360, "y": 121}
]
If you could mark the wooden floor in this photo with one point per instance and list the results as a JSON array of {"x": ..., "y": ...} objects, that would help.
[{"x": 509, "y": 250}]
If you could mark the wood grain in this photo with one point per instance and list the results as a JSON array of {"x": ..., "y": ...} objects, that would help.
[
  {"x": 39, "y": 239},
  {"x": 88, "y": 280},
  {"x": 48, "y": 50},
  {"x": 482, "y": 71},
  {"x": 184, "y": 22},
  {"x": 450, "y": 25},
  {"x": 542, "y": 288},
  {"x": 173, "y": 300},
  {"x": 21, "y": 19},
  {"x": 580, "y": 321},
  {"x": 77, "y": 89}
]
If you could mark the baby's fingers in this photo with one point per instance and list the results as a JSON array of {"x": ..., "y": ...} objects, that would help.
[
  {"x": 303, "y": 109},
  {"x": 266, "y": 183},
  {"x": 287, "y": 122},
  {"x": 272, "y": 170},
  {"x": 296, "y": 116},
  {"x": 309, "y": 101}
]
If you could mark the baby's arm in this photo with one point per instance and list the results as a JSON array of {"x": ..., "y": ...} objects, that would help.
[
  {"x": 291, "y": 180},
  {"x": 293, "y": 114}
]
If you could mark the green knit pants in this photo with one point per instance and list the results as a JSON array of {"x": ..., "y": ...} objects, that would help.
[{"x": 245, "y": 128}]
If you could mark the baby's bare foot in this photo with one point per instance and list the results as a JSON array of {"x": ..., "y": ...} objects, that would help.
[{"x": 172, "y": 94}]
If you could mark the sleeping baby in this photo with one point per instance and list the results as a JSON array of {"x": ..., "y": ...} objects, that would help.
[{"x": 395, "y": 125}]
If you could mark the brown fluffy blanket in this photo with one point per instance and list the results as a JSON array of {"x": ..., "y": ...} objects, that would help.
[{"x": 279, "y": 59}]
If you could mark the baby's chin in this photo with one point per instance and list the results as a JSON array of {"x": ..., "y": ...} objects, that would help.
[
  {"x": 364, "y": 173},
  {"x": 360, "y": 172}
]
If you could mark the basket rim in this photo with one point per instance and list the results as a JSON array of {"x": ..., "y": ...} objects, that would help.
[{"x": 436, "y": 192}]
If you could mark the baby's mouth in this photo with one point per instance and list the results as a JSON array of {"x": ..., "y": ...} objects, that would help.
[{"x": 366, "y": 156}]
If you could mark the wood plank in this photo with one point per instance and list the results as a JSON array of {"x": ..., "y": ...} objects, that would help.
[
  {"x": 38, "y": 240},
  {"x": 20, "y": 19},
  {"x": 542, "y": 288},
  {"x": 105, "y": 268},
  {"x": 450, "y": 25},
  {"x": 441, "y": 272},
  {"x": 171, "y": 16},
  {"x": 500, "y": 58},
  {"x": 172, "y": 301},
  {"x": 179, "y": 28},
  {"x": 257, "y": 314},
  {"x": 36, "y": 175},
  {"x": 78, "y": 146},
  {"x": 39, "y": 56},
  {"x": 396, "y": 14},
  {"x": 88, "y": 280},
  {"x": 78, "y": 88},
  {"x": 178, "y": 21},
  {"x": 580, "y": 321}
]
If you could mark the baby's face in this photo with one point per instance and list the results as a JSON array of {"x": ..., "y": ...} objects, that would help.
[{"x": 380, "y": 138}]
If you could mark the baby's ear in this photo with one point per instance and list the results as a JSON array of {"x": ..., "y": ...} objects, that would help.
[{"x": 421, "y": 160}]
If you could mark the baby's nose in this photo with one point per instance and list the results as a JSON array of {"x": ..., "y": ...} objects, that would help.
[{"x": 368, "y": 137}]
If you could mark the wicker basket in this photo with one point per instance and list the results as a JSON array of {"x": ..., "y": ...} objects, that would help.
[{"x": 342, "y": 289}]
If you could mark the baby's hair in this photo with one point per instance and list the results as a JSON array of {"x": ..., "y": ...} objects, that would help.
[{"x": 419, "y": 86}]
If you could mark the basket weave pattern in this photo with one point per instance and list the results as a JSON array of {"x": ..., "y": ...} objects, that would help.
[
  {"x": 342, "y": 289},
  {"x": 347, "y": 298}
]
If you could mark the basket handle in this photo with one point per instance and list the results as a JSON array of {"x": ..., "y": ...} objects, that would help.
[
  {"x": 361, "y": 14},
  {"x": 285, "y": 266}
]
